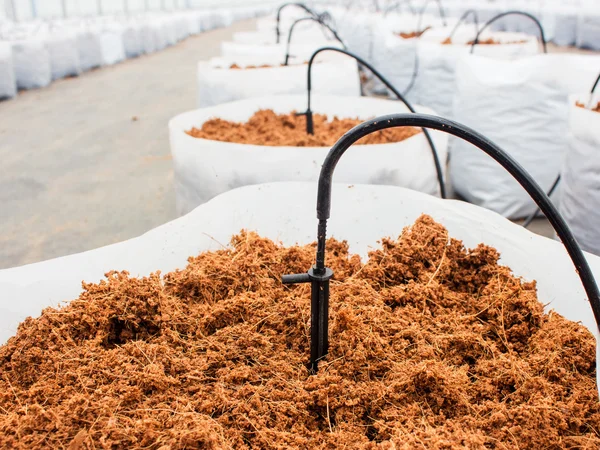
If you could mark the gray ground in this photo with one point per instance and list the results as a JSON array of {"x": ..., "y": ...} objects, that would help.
[{"x": 86, "y": 161}]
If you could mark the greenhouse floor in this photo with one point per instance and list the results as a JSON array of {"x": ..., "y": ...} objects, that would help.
[{"x": 86, "y": 161}]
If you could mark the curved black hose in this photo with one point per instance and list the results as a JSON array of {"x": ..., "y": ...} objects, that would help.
[
  {"x": 535, "y": 214},
  {"x": 440, "y": 10},
  {"x": 397, "y": 5},
  {"x": 471, "y": 136},
  {"x": 323, "y": 24},
  {"x": 512, "y": 13},
  {"x": 285, "y": 5},
  {"x": 309, "y": 119},
  {"x": 462, "y": 19}
]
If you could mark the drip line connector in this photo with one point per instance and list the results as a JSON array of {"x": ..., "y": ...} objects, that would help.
[{"x": 319, "y": 275}]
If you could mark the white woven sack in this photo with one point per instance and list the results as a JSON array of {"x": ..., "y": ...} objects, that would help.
[
  {"x": 298, "y": 51},
  {"x": 32, "y": 63},
  {"x": 434, "y": 86},
  {"x": 204, "y": 169},
  {"x": 219, "y": 84},
  {"x": 285, "y": 212},
  {"x": 580, "y": 175},
  {"x": 588, "y": 28},
  {"x": 522, "y": 106},
  {"x": 133, "y": 41},
  {"x": 64, "y": 55},
  {"x": 89, "y": 49},
  {"x": 8, "y": 82},
  {"x": 113, "y": 50}
]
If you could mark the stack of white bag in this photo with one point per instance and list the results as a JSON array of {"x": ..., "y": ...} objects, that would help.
[
  {"x": 434, "y": 85},
  {"x": 580, "y": 174},
  {"x": 285, "y": 212},
  {"x": 205, "y": 168},
  {"x": 8, "y": 83},
  {"x": 219, "y": 83},
  {"x": 522, "y": 106}
]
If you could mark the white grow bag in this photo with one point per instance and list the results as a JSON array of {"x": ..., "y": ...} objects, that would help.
[
  {"x": 580, "y": 176},
  {"x": 435, "y": 85},
  {"x": 111, "y": 44},
  {"x": 64, "y": 55},
  {"x": 299, "y": 51},
  {"x": 8, "y": 83},
  {"x": 219, "y": 84},
  {"x": 588, "y": 28},
  {"x": 32, "y": 63},
  {"x": 522, "y": 106},
  {"x": 285, "y": 212},
  {"x": 89, "y": 48},
  {"x": 204, "y": 168}
]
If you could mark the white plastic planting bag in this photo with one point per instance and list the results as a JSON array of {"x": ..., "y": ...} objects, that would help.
[
  {"x": 89, "y": 49},
  {"x": 204, "y": 168},
  {"x": 133, "y": 42},
  {"x": 64, "y": 55},
  {"x": 522, "y": 106},
  {"x": 8, "y": 83},
  {"x": 217, "y": 83},
  {"x": 285, "y": 212},
  {"x": 32, "y": 63},
  {"x": 580, "y": 175},
  {"x": 434, "y": 85},
  {"x": 588, "y": 27},
  {"x": 299, "y": 51},
  {"x": 111, "y": 44}
]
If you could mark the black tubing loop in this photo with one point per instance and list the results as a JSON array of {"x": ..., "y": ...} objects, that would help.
[
  {"x": 308, "y": 113},
  {"x": 463, "y": 19},
  {"x": 535, "y": 214},
  {"x": 440, "y": 10},
  {"x": 513, "y": 13},
  {"x": 285, "y": 5},
  {"x": 304, "y": 19},
  {"x": 595, "y": 84},
  {"x": 396, "y": 6},
  {"x": 461, "y": 131}
]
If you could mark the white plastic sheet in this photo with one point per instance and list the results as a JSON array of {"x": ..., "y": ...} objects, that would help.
[
  {"x": 285, "y": 212},
  {"x": 32, "y": 63},
  {"x": 204, "y": 169},
  {"x": 522, "y": 106},
  {"x": 219, "y": 84},
  {"x": 8, "y": 83},
  {"x": 434, "y": 86},
  {"x": 580, "y": 175}
]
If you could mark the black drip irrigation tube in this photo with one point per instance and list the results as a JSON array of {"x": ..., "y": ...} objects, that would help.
[
  {"x": 463, "y": 18},
  {"x": 285, "y": 5},
  {"x": 440, "y": 10},
  {"x": 512, "y": 13},
  {"x": 536, "y": 213},
  {"x": 309, "y": 114},
  {"x": 319, "y": 275},
  {"x": 305, "y": 19},
  {"x": 396, "y": 6}
]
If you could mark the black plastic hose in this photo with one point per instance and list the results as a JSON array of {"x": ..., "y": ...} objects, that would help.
[
  {"x": 285, "y": 5},
  {"x": 462, "y": 19},
  {"x": 304, "y": 19},
  {"x": 512, "y": 13},
  {"x": 309, "y": 118}
]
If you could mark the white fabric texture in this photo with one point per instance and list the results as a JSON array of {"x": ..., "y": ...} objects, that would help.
[
  {"x": 217, "y": 83},
  {"x": 8, "y": 82},
  {"x": 204, "y": 169},
  {"x": 64, "y": 55},
  {"x": 580, "y": 175},
  {"x": 522, "y": 106},
  {"x": 89, "y": 49},
  {"x": 32, "y": 63},
  {"x": 362, "y": 215}
]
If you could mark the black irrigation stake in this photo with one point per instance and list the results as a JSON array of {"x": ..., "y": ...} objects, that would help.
[
  {"x": 535, "y": 214},
  {"x": 319, "y": 275},
  {"x": 285, "y": 5},
  {"x": 320, "y": 22},
  {"x": 512, "y": 13},
  {"x": 309, "y": 115},
  {"x": 462, "y": 19}
]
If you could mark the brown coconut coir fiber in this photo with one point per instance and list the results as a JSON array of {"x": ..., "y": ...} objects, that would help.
[
  {"x": 432, "y": 346},
  {"x": 595, "y": 109},
  {"x": 412, "y": 34},
  {"x": 488, "y": 41},
  {"x": 266, "y": 127}
]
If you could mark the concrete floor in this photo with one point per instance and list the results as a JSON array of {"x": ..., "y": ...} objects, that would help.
[{"x": 86, "y": 161}]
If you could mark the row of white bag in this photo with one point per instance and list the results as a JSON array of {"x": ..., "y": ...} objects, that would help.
[{"x": 32, "y": 55}]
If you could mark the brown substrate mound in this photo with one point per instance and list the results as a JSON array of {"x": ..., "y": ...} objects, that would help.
[
  {"x": 263, "y": 66},
  {"x": 432, "y": 346},
  {"x": 595, "y": 109},
  {"x": 412, "y": 34},
  {"x": 488, "y": 41},
  {"x": 266, "y": 127}
]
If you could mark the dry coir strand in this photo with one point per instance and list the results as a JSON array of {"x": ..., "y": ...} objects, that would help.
[
  {"x": 266, "y": 127},
  {"x": 432, "y": 346}
]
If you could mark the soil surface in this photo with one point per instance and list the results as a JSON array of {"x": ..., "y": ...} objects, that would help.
[
  {"x": 595, "y": 109},
  {"x": 488, "y": 41},
  {"x": 266, "y": 127},
  {"x": 432, "y": 346}
]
